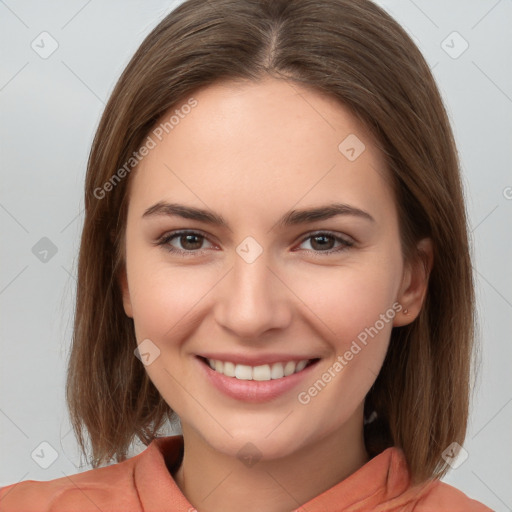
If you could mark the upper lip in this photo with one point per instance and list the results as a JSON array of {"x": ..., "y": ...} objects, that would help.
[{"x": 256, "y": 360}]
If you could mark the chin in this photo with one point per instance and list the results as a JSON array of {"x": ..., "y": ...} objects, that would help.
[{"x": 261, "y": 444}]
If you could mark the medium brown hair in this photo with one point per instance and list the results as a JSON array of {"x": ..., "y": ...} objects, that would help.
[{"x": 355, "y": 52}]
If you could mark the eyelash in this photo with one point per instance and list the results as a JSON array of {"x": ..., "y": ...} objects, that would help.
[{"x": 165, "y": 239}]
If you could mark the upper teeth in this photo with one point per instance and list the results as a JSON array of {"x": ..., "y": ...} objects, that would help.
[{"x": 263, "y": 372}]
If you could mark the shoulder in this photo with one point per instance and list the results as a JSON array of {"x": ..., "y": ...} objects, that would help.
[
  {"x": 439, "y": 496},
  {"x": 434, "y": 495},
  {"x": 105, "y": 488}
]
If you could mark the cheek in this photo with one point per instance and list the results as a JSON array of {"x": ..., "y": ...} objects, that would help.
[
  {"x": 164, "y": 299},
  {"x": 347, "y": 300},
  {"x": 354, "y": 312}
]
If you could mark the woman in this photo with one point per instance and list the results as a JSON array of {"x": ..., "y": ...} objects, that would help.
[{"x": 275, "y": 252}]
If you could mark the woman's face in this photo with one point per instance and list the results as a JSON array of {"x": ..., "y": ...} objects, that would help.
[{"x": 259, "y": 282}]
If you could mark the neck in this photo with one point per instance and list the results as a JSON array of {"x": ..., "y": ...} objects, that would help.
[{"x": 213, "y": 481}]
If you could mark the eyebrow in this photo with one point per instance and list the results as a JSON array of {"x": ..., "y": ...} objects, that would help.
[{"x": 291, "y": 218}]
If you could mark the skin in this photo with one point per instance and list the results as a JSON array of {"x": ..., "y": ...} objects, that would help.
[{"x": 252, "y": 152}]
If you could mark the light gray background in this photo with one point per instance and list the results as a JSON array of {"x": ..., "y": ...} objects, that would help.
[{"x": 49, "y": 112}]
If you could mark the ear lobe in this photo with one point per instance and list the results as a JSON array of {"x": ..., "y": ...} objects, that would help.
[
  {"x": 415, "y": 283},
  {"x": 123, "y": 284}
]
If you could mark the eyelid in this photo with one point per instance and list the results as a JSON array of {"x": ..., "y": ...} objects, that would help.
[
  {"x": 338, "y": 236},
  {"x": 165, "y": 238},
  {"x": 345, "y": 241}
]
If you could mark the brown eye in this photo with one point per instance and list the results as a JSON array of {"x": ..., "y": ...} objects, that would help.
[
  {"x": 325, "y": 242},
  {"x": 191, "y": 242},
  {"x": 183, "y": 242}
]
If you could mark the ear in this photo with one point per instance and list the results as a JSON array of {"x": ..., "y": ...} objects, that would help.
[
  {"x": 123, "y": 284},
  {"x": 414, "y": 284}
]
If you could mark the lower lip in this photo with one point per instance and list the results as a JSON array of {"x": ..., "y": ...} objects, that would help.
[{"x": 254, "y": 391}]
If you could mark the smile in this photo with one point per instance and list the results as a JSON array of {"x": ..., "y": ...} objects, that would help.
[
  {"x": 260, "y": 373},
  {"x": 263, "y": 381}
]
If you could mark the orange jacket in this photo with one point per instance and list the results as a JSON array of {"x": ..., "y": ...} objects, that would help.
[{"x": 144, "y": 483}]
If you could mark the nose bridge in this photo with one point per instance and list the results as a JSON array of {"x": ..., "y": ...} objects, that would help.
[{"x": 252, "y": 299}]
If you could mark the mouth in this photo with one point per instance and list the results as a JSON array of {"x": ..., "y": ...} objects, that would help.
[
  {"x": 256, "y": 384},
  {"x": 260, "y": 373}
]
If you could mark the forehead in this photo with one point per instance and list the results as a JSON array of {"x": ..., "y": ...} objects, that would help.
[{"x": 259, "y": 143}]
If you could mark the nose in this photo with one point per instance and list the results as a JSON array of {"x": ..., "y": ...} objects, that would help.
[{"x": 253, "y": 299}]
